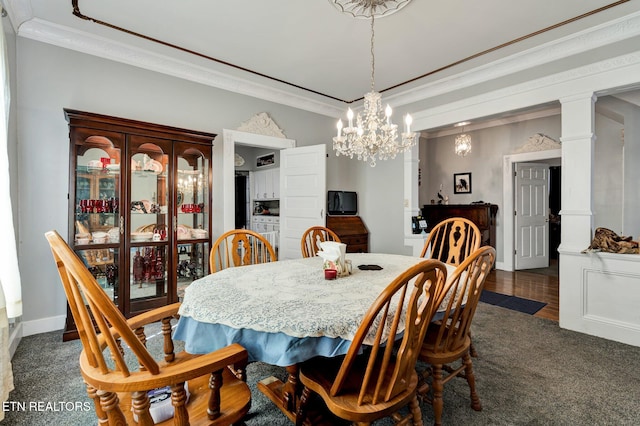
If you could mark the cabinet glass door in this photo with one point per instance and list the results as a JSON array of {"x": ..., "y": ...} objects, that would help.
[
  {"x": 103, "y": 265},
  {"x": 96, "y": 199},
  {"x": 193, "y": 215},
  {"x": 149, "y": 225}
]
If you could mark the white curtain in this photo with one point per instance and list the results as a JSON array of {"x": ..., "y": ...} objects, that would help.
[
  {"x": 5, "y": 356},
  {"x": 11, "y": 293}
]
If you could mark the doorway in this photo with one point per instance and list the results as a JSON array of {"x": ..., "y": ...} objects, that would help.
[
  {"x": 553, "y": 158},
  {"x": 242, "y": 200},
  {"x": 552, "y": 209},
  {"x": 223, "y": 208},
  {"x": 555, "y": 204}
]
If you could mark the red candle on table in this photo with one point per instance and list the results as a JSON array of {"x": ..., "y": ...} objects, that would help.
[{"x": 330, "y": 274}]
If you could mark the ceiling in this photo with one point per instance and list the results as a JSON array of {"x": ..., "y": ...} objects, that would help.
[{"x": 308, "y": 50}]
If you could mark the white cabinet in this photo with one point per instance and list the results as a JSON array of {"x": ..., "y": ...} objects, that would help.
[
  {"x": 275, "y": 181},
  {"x": 269, "y": 227},
  {"x": 266, "y": 184},
  {"x": 259, "y": 186},
  {"x": 264, "y": 224}
]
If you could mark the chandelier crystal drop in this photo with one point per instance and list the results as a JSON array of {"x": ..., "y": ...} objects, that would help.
[
  {"x": 374, "y": 136},
  {"x": 463, "y": 144}
]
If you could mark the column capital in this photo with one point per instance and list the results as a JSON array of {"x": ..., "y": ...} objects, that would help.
[{"x": 579, "y": 97}]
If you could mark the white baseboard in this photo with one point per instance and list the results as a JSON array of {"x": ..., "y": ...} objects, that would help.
[{"x": 43, "y": 325}]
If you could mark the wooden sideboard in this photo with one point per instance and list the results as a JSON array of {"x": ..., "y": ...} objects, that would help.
[
  {"x": 352, "y": 231},
  {"x": 483, "y": 215}
]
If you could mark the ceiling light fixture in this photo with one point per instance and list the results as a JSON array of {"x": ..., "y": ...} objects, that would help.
[
  {"x": 363, "y": 8},
  {"x": 463, "y": 141},
  {"x": 374, "y": 134}
]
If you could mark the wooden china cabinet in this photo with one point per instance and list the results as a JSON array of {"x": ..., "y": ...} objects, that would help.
[{"x": 139, "y": 208}]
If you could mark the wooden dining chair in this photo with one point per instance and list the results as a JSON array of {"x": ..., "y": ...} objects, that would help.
[
  {"x": 314, "y": 235},
  {"x": 118, "y": 385},
  {"x": 240, "y": 247},
  {"x": 452, "y": 241},
  {"x": 377, "y": 377},
  {"x": 448, "y": 340}
]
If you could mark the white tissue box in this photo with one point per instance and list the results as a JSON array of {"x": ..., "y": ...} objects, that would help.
[{"x": 161, "y": 408}]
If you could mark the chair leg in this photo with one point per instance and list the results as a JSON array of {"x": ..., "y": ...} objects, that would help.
[
  {"x": 414, "y": 407},
  {"x": 471, "y": 380},
  {"x": 472, "y": 349},
  {"x": 109, "y": 403},
  {"x": 438, "y": 387},
  {"x": 93, "y": 394}
]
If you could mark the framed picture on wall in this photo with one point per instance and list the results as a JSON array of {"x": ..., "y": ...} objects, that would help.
[
  {"x": 462, "y": 183},
  {"x": 266, "y": 160}
]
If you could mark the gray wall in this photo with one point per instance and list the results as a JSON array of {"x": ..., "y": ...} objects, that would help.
[
  {"x": 51, "y": 79},
  {"x": 439, "y": 163},
  {"x": 616, "y": 172},
  {"x": 485, "y": 162}
]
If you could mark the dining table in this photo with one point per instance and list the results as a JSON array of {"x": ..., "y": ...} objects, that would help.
[{"x": 285, "y": 312}]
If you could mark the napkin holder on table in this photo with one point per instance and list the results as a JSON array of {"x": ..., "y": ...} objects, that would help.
[{"x": 333, "y": 254}]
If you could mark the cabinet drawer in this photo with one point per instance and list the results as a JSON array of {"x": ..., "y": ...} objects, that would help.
[
  {"x": 358, "y": 248},
  {"x": 358, "y": 239}
]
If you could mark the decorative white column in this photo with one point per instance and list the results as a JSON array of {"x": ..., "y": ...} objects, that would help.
[
  {"x": 578, "y": 137},
  {"x": 411, "y": 199}
]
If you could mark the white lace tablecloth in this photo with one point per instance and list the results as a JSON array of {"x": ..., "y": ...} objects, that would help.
[{"x": 292, "y": 296}]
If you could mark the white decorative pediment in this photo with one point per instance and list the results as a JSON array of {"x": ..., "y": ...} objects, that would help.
[
  {"x": 539, "y": 142},
  {"x": 262, "y": 124}
]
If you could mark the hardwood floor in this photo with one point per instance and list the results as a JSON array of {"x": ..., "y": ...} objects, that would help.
[{"x": 535, "y": 284}]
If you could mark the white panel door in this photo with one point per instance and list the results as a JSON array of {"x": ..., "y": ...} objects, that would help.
[
  {"x": 303, "y": 192},
  {"x": 532, "y": 215}
]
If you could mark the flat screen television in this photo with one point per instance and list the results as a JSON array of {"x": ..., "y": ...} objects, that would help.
[{"x": 342, "y": 203}]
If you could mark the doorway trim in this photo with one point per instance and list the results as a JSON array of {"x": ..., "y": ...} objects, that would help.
[
  {"x": 224, "y": 173},
  {"x": 508, "y": 198}
]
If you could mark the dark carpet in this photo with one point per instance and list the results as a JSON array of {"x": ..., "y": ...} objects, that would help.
[
  {"x": 514, "y": 303},
  {"x": 528, "y": 372}
]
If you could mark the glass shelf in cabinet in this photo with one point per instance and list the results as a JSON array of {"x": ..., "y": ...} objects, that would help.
[
  {"x": 147, "y": 173},
  {"x": 98, "y": 171}
]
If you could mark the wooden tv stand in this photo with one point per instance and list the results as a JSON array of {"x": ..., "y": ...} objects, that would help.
[{"x": 352, "y": 231}]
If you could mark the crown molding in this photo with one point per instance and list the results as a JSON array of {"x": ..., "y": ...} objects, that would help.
[
  {"x": 19, "y": 11},
  {"x": 62, "y": 36},
  {"x": 591, "y": 38},
  {"x": 495, "y": 122},
  {"x": 69, "y": 38},
  {"x": 629, "y": 62}
]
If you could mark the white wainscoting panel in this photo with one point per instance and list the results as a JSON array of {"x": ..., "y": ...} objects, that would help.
[{"x": 600, "y": 295}]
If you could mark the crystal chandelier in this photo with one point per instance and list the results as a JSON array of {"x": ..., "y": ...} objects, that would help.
[
  {"x": 463, "y": 142},
  {"x": 374, "y": 134}
]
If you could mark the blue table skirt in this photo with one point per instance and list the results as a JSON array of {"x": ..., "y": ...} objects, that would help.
[{"x": 272, "y": 348}]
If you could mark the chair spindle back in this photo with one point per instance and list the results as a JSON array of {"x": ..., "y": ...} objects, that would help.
[{"x": 240, "y": 247}]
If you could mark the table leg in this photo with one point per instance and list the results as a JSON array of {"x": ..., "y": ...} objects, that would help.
[{"x": 284, "y": 395}]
